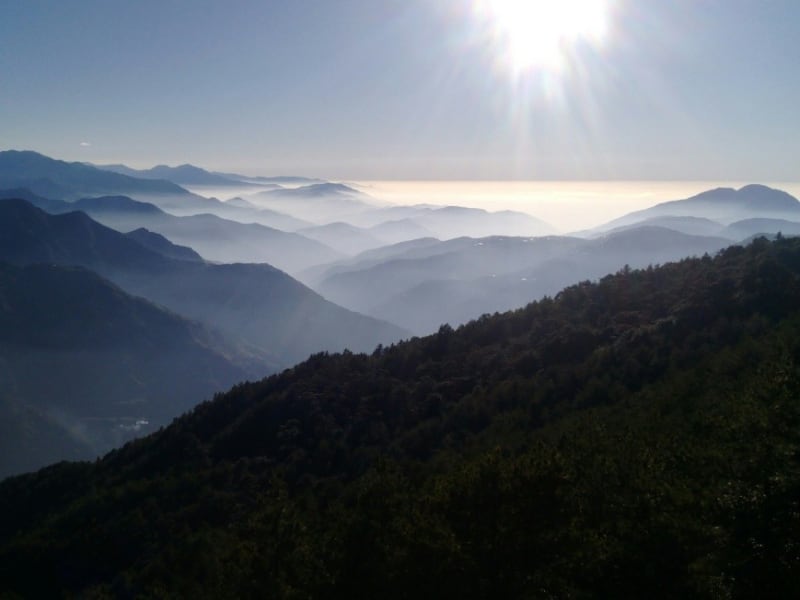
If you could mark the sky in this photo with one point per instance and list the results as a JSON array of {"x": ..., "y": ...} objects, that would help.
[{"x": 407, "y": 89}]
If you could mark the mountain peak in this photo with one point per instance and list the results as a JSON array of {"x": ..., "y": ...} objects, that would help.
[
  {"x": 767, "y": 197},
  {"x": 327, "y": 188},
  {"x": 39, "y": 173},
  {"x": 116, "y": 203}
]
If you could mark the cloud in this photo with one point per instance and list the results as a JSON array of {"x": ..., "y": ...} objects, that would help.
[{"x": 85, "y": 144}]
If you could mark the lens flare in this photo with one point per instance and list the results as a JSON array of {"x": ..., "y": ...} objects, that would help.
[{"x": 541, "y": 34}]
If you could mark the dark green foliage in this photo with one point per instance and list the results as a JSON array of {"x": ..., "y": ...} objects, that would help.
[{"x": 637, "y": 437}]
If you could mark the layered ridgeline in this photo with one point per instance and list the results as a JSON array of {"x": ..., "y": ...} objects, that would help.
[
  {"x": 423, "y": 284},
  {"x": 192, "y": 175},
  {"x": 716, "y": 209},
  {"x": 185, "y": 174},
  {"x": 288, "y": 204},
  {"x": 215, "y": 238},
  {"x": 85, "y": 367},
  {"x": 636, "y": 437},
  {"x": 70, "y": 181},
  {"x": 420, "y": 286},
  {"x": 257, "y": 303}
]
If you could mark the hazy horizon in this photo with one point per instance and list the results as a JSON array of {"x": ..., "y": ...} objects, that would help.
[
  {"x": 568, "y": 206},
  {"x": 411, "y": 89}
]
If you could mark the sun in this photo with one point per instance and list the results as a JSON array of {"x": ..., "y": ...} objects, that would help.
[{"x": 540, "y": 34}]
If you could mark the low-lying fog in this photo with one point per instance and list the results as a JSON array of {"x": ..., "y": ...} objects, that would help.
[{"x": 566, "y": 205}]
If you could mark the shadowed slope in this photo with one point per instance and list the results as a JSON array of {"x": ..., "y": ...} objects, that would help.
[
  {"x": 631, "y": 438},
  {"x": 260, "y": 303},
  {"x": 86, "y": 366}
]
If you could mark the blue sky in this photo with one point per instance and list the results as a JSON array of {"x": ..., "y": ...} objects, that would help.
[{"x": 406, "y": 89}]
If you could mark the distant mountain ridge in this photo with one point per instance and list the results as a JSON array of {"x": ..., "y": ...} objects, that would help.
[
  {"x": 319, "y": 203},
  {"x": 211, "y": 236},
  {"x": 185, "y": 174},
  {"x": 51, "y": 177},
  {"x": 316, "y": 190},
  {"x": 448, "y": 222},
  {"x": 724, "y": 205},
  {"x": 162, "y": 245},
  {"x": 423, "y": 286},
  {"x": 188, "y": 174},
  {"x": 253, "y": 302},
  {"x": 69, "y": 181}
]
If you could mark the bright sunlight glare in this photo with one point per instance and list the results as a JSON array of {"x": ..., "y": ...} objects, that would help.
[{"x": 539, "y": 34}]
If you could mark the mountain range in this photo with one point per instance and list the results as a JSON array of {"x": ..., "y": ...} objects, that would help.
[
  {"x": 185, "y": 174},
  {"x": 318, "y": 203},
  {"x": 422, "y": 287},
  {"x": 633, "y": 437},
  {"x": 69, "y": 181},
  {"x": 725, "y": 205},
  {"x": 254, "y": 302},
  {"x": 449, "y": 265},
  {"x": 213, "y": 237}
]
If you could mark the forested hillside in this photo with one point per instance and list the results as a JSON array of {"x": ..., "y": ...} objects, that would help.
[{"x": 635, "y": 437}]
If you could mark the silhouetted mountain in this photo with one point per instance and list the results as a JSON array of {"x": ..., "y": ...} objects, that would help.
[
  {"x": 162, "y": 245},
  {"x": 30, "y": 235},
  {"x": 241, "y": 203},
  {"x": 112, "y": 205},
  {"x": 457, "y": 221},
  {"x": 279, "y": 180},
  {"x": 459, "y": 259},
  {"x": 317, "y": 190},
  {"x": 56, "y": 178},
  {"x": 119, "y": 168},
  {"x": 318, "y": 203},
  {"x": 224, "y": 210},
  {"x": 61, "y": 180},
  {"x": 454, "y": 281},
  {"x": 631, "y": 438},
  {"x": 215, "y": 238},
  {"x": 315, "y": 275},
  {"x": 725, "y": 205},
  {"x": 266, "y": 308},
  {"x": 259, "y": 304},
  {"x": 687, "y": 225},
  {"x": 401, "y": 223},
  {"x": 94, "y": 365},
  {"x": 747, "y": 228},
  {"x": 409, "y": 249},
  {"x": 182, "y": 175},
  {"x": 46, "y": 204}
]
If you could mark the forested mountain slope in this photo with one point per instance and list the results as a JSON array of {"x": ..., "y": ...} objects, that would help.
[{"x": 637, "y": 437}]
